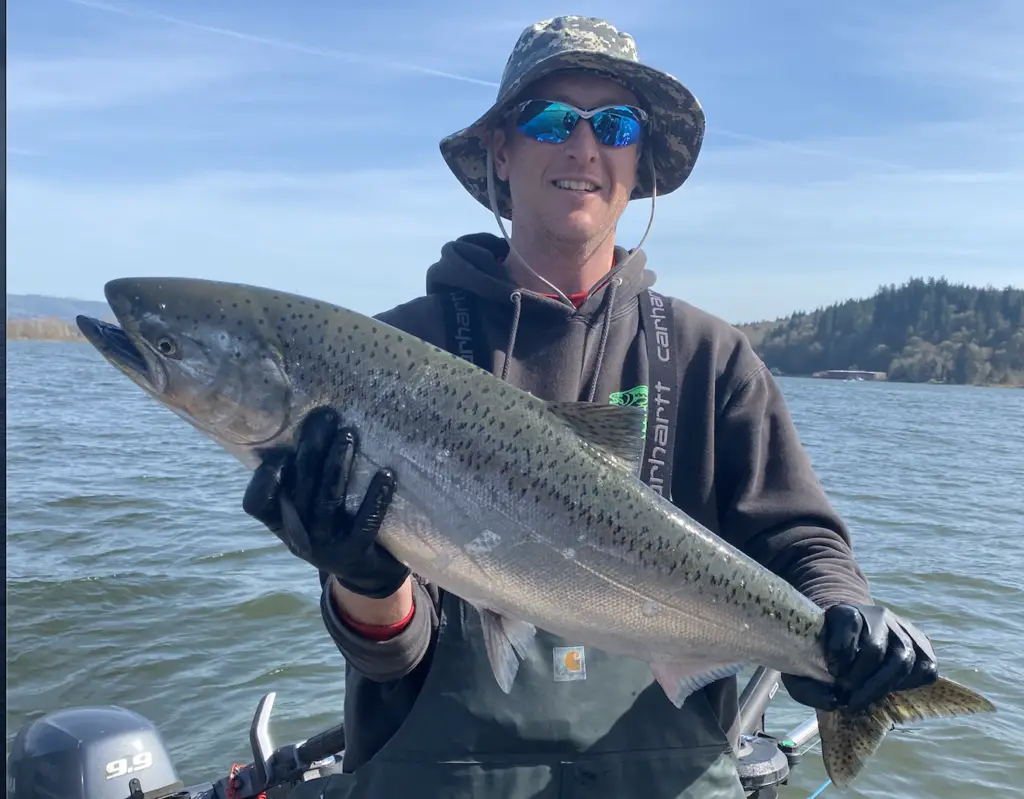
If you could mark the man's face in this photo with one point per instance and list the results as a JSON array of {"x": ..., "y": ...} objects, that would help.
[{"x": 534, "y": 169}]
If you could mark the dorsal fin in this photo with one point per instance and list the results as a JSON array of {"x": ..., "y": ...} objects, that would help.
[{"x": 616, "y": 430}]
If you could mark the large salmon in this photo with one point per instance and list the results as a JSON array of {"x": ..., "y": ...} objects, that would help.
[{"x": 531, "y": 511}]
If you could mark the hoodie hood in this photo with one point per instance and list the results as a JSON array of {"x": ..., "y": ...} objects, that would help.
[
  {"x": 528, "y": 336},
  {"x": 475, "y": 264}
]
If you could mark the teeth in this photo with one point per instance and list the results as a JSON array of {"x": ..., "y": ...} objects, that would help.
[{"x": 576, "y": 185}]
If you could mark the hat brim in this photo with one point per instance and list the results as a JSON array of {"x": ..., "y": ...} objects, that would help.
[{"x": 675, "y": 132}]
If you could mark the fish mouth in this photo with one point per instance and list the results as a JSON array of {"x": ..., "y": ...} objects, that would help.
[{"x": 115, "y": 345}]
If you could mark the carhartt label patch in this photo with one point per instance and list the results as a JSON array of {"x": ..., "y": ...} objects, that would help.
[{"x": 570, "y": 663}]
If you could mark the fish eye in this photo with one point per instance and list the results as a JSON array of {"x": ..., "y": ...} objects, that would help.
[{"x": 167, "y": 346}]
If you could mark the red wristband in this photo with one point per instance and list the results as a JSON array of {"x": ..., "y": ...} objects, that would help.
[{"x": 377, "y": 632}]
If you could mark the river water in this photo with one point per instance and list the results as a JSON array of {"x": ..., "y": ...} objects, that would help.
[{"x": 134, "y": 577}]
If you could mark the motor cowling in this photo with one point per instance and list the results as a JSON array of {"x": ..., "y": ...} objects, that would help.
[{"x": 91, "y": 753}]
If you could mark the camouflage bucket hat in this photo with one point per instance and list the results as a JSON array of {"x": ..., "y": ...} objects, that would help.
[{"x": 676, "y": 127}]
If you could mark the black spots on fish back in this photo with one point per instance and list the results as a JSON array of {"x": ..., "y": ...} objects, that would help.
[{"x": 791, "y": 625}]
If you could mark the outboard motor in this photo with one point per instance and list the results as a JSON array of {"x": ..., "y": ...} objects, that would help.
[{"x": 91, "y": 753}]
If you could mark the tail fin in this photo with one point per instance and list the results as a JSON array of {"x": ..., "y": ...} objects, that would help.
[{"x": 849, "y": 739}]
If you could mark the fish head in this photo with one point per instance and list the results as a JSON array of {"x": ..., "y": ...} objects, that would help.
[{"x": 204, "y": 350}]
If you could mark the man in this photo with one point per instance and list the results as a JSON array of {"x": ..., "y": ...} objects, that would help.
[{"x": 579, "y": 128}]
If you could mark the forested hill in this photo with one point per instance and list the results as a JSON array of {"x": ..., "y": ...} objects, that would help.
[{"x": 923, "y": 331}]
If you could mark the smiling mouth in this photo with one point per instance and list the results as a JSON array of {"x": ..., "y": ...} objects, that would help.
[{"x": 584, "y": 186}]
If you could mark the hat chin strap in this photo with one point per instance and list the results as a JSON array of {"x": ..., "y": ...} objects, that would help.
[{"x": 492, "y": 196}]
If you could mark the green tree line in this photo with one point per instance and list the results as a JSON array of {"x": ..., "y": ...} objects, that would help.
[{"x": 923, "y": 331}]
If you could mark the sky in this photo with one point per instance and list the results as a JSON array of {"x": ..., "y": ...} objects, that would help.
[{"x": 295, "y": 145}]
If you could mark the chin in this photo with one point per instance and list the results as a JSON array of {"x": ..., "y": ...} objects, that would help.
[{"x": 576, "y": 226}]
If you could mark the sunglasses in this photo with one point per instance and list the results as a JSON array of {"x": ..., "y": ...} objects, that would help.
[{"x": 553, "y": 122}]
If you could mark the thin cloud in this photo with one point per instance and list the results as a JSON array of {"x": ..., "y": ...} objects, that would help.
[
  {"x": 82, "y": 83},
  {"x": 281, "y": 44},
  {"x": 331, "y": 234},
  {"x": 973, "y": 52},
  {"x": 336, "y": 235},
  {"x": 832, "y": 153},
  {"x": 495, "y": 25}
]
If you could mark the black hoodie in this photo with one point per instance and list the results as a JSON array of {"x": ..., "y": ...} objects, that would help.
[{"x": 739, "y": 467}]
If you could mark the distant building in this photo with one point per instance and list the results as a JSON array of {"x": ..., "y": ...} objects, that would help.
[{"x": 849, "y": 374}]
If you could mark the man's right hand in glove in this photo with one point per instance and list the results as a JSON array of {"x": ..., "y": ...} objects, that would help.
[{"x": 299, "y": 494}]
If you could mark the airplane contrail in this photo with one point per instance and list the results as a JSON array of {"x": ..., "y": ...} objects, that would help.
[
  {"x": 356, "y": 58},
  {"x": 281, "y": 44}
]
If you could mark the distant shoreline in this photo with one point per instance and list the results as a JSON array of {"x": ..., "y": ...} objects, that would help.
[
  {"x": 79, "y": 339},
  {"x": 43, "y": 329},
  {"x": 64, "y": 331}
]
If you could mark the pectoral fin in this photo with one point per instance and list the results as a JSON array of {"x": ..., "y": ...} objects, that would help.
[
  {"x": 679, "y": 679},
  {"x": 508, "y": 641},
  {"x": 617, "y": 431}
]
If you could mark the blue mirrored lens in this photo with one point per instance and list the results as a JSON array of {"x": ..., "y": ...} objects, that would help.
[
  {"x": 547, "y": 122},
  {"x": 618, "y": 126}
]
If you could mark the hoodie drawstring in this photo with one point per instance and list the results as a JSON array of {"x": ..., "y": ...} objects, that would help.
[
  {"x": 517, "y": 310},
  {"x": 606, "y": 323}
]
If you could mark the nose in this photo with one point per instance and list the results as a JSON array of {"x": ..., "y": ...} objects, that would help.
[{"x": 583, "y": 144}]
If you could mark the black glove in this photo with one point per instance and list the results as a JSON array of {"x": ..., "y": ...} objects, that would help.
[
  {"x": 300, "y": 496},
  {"x": 871, "y": 652}
]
